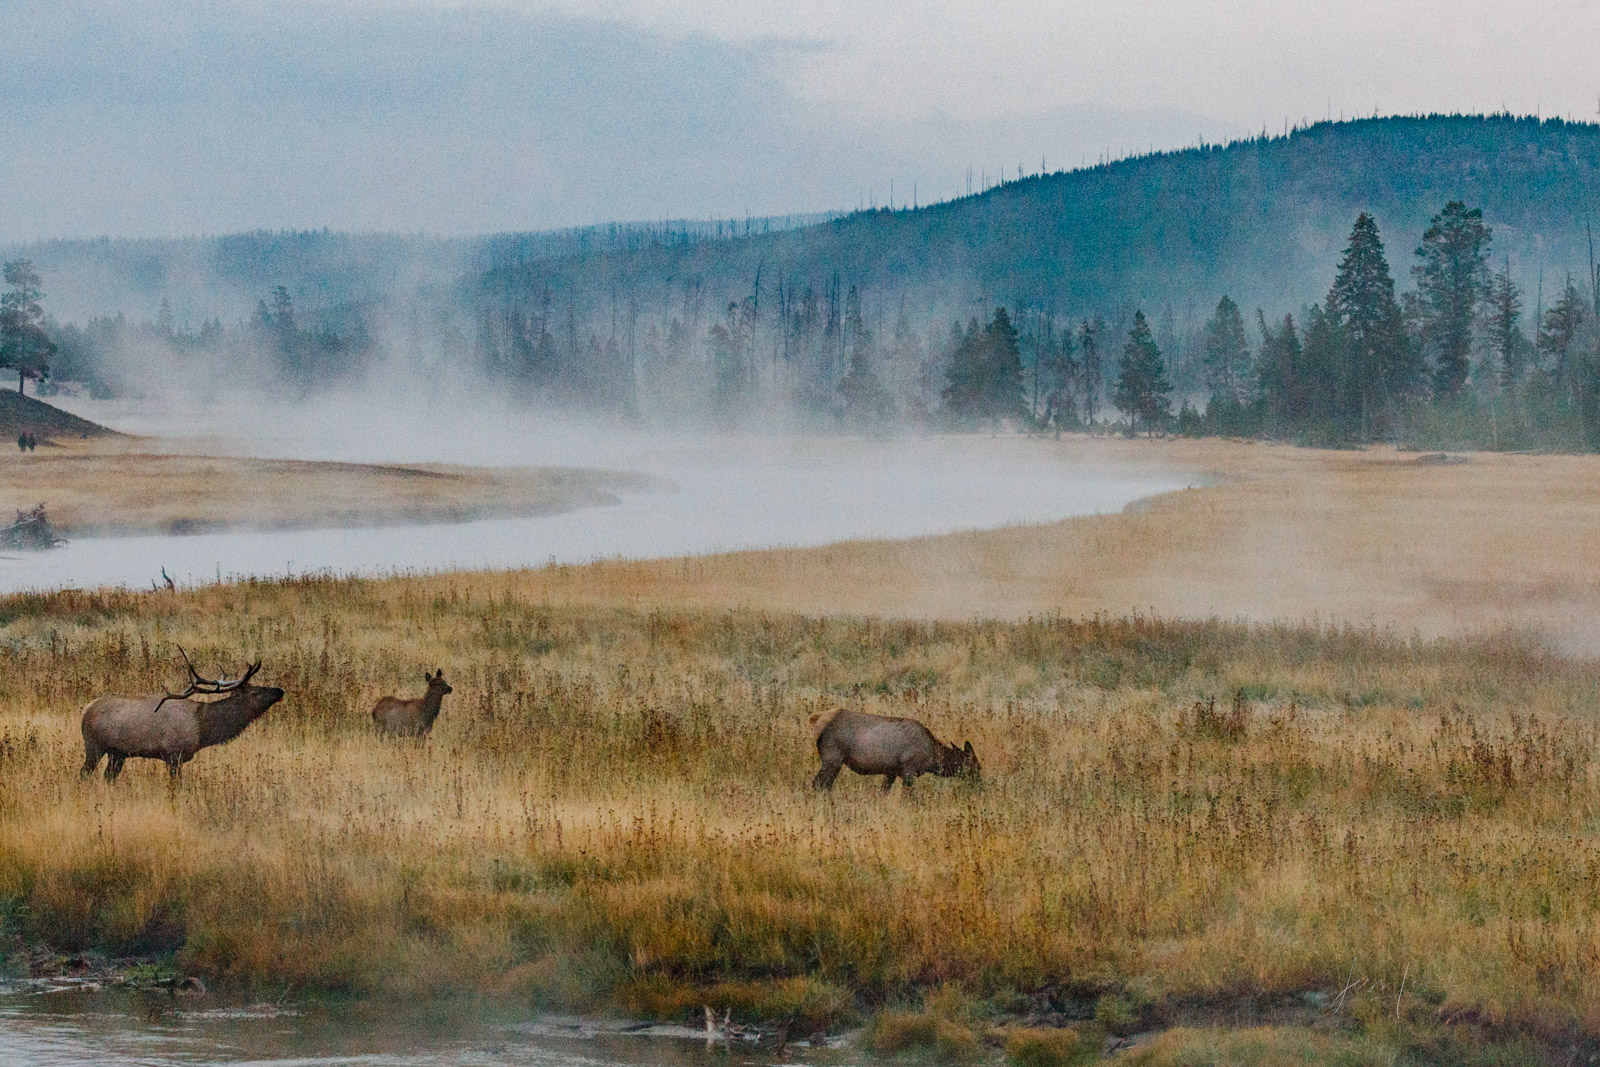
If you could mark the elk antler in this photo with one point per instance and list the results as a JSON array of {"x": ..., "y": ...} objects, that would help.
[{"x": 201, "y": 684}]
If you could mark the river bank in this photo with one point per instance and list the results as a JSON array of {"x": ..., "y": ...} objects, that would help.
[
  {"x": 106, "y": 488},
  {"x": 1487, "y": 543}
]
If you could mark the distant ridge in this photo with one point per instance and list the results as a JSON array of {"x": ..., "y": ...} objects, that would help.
[
  {"x": 21, "y": 414},
  {"x": 670, "y": 314},
  {"x": 1262, "y": 219}
]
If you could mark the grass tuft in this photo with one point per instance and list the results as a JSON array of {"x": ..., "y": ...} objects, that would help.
[{"x": 1050, "y": 1048}]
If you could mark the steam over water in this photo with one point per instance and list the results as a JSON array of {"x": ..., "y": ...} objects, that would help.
[{"x": 720, "y": 492}]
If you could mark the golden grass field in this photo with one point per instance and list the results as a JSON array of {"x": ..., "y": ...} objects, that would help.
[
  {"x": 109, "y": 487},
  {"x": 1332, "y": 842}
]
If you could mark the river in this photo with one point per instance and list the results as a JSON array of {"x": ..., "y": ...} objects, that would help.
[
  {"x": 70, "y": 1027},
  {"x": 717, "y": 492}
]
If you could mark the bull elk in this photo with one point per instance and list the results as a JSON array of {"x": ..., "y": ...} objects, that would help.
[
  {"x": 170, "y": 726},
  {"x": 412, "y": 718},
  {"x": 890, "y": 746}
]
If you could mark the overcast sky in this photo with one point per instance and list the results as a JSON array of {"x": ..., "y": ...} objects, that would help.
[{"x": 175, "y": 117}]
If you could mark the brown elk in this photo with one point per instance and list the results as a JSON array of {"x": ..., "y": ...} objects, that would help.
[
  {"x": 880, "y": 744},
  {"x": 412, "y": 718},
  {"x": 171, "y": 727}
]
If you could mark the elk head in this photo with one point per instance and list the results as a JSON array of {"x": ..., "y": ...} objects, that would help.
[{"x": 962, "y": 762}]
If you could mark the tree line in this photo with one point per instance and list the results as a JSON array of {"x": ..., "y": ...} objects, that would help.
[
  {"x": 1108, "y": 278},
  {"x": 1449, "y": 362}
]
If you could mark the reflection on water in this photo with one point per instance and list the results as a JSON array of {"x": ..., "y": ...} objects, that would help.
[
  {"x": 730, "y": 494},
  {"x": 120, "y": 1026}
]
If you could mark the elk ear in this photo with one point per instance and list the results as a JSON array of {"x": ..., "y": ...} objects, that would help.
[{"x": 968, "y": 748}]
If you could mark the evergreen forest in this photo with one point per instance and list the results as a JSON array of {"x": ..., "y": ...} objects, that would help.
[{"x": 1427, "y": 280}]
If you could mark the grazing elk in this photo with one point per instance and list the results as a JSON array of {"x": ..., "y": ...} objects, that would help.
[
  {"x": 892, "y": 747},
  {"x": 412, "y": 718},
  {"x": 169, "y": 726}
]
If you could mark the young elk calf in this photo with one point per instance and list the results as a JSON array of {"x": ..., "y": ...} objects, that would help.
[
  {"x": 893, "y": 747},
  {"x": 412, "y": 718}
]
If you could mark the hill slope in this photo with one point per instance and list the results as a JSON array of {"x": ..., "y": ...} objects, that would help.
[
  {"x": 23, "y": 414},
  {"x": 662, "y": 318},
  {"x": 1263, "y": 220}
]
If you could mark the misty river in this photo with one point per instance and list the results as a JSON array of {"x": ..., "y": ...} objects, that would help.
[{"x": 716, "y": 493}]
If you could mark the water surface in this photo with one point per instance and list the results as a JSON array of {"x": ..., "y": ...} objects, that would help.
[
  {"x": 719, "y": 492},
  {"x": 72, "y": 1027}
]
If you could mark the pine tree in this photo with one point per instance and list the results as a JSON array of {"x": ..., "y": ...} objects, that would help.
[
  {"x": 1005, "y": 368},
  {"x": 282, "y": 311},
  {"x": 984, "y": 381},
  {"x": 1061, "y": 376},
  {"x": 1279, "y": 374},
  {"x": 728, "y": 366},
  {"x": 964, "y": 376},
  {"x": 1227, "y": 354},
  {"x": 1506, "y": 340},
  {"x": 25, "y": 346},
  {"x": 1558, "y": 341},
  {"x": 1142, "y": 386},
  {"x": 1452, "y": 277},
  {"x": 1378, "y": 369}
]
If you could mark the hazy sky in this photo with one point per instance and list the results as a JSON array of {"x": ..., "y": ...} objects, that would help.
[{"x": 176, "y": 116}]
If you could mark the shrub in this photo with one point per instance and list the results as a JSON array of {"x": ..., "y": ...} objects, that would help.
[
  {"x": 1049, "y": 1048},
  {"x": 892, "y": 1033}
]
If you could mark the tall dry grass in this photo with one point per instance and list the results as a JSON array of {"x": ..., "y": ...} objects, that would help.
[{"x": 612, "y": 810}]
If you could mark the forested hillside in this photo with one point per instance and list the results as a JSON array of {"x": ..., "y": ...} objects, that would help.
[
  {"x": 860, "y": 317},
  {"x": 1261, "y": 220}
]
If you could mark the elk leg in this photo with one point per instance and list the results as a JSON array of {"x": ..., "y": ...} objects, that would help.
[
  {"x": 888, "y": 782},
  {"x": 114, "y": 766},
  {"x": 824, "y": 779},
  {"x": 91, "y": 760},
  {"x": 173, "y": 764},
  {"x": 907, "y": 779}
]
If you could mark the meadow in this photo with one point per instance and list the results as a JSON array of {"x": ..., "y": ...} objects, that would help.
[
  {"x": 1268, "y": 533},
  {"x": 1335, "y": 834},
  {"x": 1250, "y": 842}
]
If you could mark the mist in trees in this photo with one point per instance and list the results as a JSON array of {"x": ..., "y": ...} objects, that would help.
[
  {"x": 1448, "y": 365},
  {"x": 984, "y": 379},
  {"x": 993, "y": 311}
]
